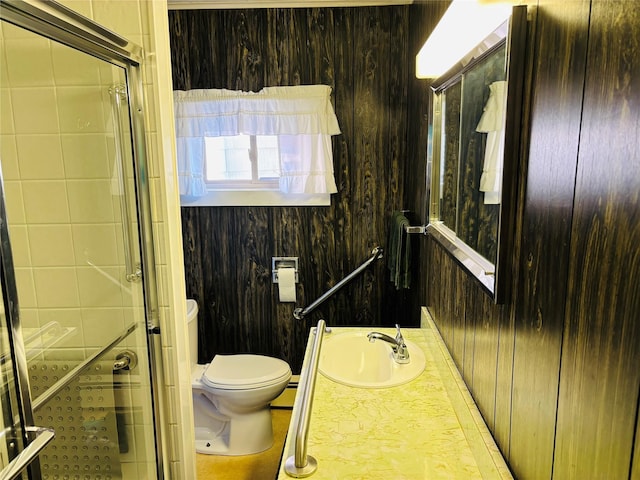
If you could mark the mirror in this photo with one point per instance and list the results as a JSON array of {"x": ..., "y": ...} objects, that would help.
[{"x": 474, "y": 155}]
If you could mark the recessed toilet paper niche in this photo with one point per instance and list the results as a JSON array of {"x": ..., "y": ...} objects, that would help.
[
  {"x": 283, "y": 262},
  {"x": 285, "y": 274}
]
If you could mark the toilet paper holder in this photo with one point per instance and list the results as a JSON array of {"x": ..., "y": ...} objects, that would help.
[{"x": 283, "y": 262}]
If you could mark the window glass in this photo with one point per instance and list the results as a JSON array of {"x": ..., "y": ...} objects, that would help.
[
  {"x": 241, "y": 159},
  {"x": 268, "y": 158},
  {"x": 227, "y": 158}
]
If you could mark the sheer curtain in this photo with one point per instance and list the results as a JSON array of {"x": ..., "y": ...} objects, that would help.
[{"x": 301, "y": 116}]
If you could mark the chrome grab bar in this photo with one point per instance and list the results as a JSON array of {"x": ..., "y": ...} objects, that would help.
[
  {"x": 127, "y": 360},
  {"x": 118, "y": 93},
  {"x": 54, "y": 389},
  {"x": 29, "y": 454},
  {"x": 300, "y": 313},
  {"x": 300, "y": 464}
]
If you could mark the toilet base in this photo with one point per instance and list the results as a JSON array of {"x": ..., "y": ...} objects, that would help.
[
  {"x": 242, "y": 435},
  {"x": 208, "y": 443}
]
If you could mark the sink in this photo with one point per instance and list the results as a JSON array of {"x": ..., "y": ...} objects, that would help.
[{"x": 350, "y": 359}]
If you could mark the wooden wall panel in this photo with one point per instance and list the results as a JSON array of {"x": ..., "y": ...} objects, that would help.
[
  {"x": 370, "y": 100},
  {"x": 343, "y": 150},
  {"x": 567, "y": 340},
  {"x": 487, "y": 321},
  {"x": 470, "y": 337},
  {"x": 501, "y": 323},
  {"x": 469, "y": 323},
  {"x": 560, "y": 34},
  {"x": 600, "y": 378},
  {"x": 361, "y": 54}
]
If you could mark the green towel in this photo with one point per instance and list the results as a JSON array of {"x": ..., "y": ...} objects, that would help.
[{"x": 399, "y": 251}]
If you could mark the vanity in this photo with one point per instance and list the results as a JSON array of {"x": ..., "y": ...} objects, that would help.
[{"x": 427, "y": 428}]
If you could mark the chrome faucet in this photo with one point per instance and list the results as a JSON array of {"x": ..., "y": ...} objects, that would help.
[{"x": 398, "y": 346}]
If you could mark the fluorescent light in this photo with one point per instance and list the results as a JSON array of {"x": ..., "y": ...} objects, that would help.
[{"x": 463, "y": 26}]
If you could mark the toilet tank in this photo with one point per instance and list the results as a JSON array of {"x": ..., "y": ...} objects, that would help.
[{"x": 192, "y": 330}]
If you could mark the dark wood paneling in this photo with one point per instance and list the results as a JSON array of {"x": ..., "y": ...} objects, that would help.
[
  {"x": 487, "y": 321},
  {"x": 470, "y": 327},
  {"x": 343, "y": 150},
  {"x": 561, "y": 34},
  {"x": 469, "y": 323},
  {"x": 361, "y": 53},
  {"x": 505, "y": 315},
  {"x": 370, "y": 100},
  {"x": 501, "y": 323},
  {"x": 568, "y": 337},
  {"x": 600, "y": 378}
]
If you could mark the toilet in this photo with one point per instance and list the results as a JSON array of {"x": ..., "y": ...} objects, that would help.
[{"x": 232, "y": 397}]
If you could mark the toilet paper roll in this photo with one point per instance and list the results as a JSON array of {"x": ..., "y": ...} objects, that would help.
[{"x": 287, "y": 284}]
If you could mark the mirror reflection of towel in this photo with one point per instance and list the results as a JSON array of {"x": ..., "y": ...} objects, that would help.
[
  {"x": 492, "y": 123},
  {"x": 399, "y": 249}
]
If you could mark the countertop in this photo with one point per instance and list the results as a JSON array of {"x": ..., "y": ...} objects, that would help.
[{"x": 429, "y": 428}]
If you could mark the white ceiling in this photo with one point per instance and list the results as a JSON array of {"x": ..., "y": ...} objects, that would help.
[{"x": 227, "y": 4}]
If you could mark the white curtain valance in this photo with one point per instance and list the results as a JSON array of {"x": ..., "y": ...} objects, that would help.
[{"x": 304, "y": 111}]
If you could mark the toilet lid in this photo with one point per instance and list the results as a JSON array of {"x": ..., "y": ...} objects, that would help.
[{"x": 245, "y": 371}]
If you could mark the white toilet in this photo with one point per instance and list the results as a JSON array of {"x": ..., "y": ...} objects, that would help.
[{"x": 231, "y": 397}]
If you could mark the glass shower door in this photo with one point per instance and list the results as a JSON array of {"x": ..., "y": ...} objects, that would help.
[
  {"x": 20, "y": 441},
  {"x": 70, "y": 191}
]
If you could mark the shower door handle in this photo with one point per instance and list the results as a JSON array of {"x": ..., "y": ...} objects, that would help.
[
  {"x": 133, "y": 270},
  {"x": 42, "y": 438}
]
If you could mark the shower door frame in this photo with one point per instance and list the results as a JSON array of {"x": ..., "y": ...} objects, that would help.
[{"x": 57, "y": 22}]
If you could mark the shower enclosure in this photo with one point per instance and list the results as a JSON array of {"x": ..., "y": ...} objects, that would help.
[{"x": 77, "y": 334}]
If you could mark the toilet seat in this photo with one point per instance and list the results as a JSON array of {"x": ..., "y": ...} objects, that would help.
[{"x": 244, "y": 372}]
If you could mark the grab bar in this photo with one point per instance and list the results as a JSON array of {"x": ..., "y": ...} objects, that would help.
[
  {"x": 118, "y": 93},
  {"x": 300, "y": 464},
  {"x": 300, "y": 313},
  {"x": 54, "y": 389}
]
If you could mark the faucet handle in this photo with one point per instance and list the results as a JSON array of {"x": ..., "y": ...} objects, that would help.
[
  {"x": 399, "y": 337},
  {"x": 402, "y": 352}
]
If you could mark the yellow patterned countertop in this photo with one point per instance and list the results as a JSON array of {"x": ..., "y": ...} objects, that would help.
[{"x": 428, "y": 428}]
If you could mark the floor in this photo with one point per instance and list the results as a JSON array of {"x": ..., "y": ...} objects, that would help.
[{"x": 260, "y": 466}]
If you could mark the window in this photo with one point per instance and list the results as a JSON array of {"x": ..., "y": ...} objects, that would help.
[
  {"x": 234, "y": 145},
  {"x": 242, "y": 161}
]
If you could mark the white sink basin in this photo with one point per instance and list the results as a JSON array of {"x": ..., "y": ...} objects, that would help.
[{"x": 349, "y": 358}]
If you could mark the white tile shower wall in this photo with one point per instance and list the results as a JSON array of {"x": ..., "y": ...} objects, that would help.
[{"x": 36, "y": 188}]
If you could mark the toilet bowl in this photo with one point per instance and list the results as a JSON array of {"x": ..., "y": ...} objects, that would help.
[{"x": 231, "y": 398}]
